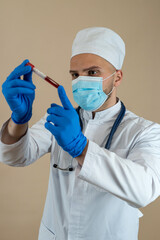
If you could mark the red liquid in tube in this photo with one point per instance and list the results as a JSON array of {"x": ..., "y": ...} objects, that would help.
[{"x": 43, "y": 76}]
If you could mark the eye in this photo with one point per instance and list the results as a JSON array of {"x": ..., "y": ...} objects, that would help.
[
  {"x": 92, "y": 72},
  {"x": 74, "y": 75}
]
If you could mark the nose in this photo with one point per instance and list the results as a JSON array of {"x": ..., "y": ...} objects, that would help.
[{"x": 83, "y": 73}]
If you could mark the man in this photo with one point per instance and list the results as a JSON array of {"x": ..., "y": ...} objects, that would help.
[{"x": 104, "y": 163}]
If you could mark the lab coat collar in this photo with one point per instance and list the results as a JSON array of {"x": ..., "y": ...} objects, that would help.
[{"x": 104, "y": 115}]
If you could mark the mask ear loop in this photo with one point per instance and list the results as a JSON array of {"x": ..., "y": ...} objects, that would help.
[
  {"x": 113, "y": 86},
  {"x": 111, "y": 91},
  {"x": 109, "y": 76}
]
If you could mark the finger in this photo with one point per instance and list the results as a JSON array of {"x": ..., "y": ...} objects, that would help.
[
  {"x": 57, "y": 110},
  {"x": 18, "y": 90},
  {"x": 53, "y": 129},
  {"x": 22, "y": 64},
  {"x": 64, "y": 99},
  {"x": 19, "y": 71},
  {"x": 57, "y": 120},
  {"x": 28, "y": 77},
  {"x": 18, "y": 83},
  {"x": 55, "y": 105}
]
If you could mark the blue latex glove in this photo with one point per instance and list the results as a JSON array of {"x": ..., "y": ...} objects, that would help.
[
  {"x": 66, "y": 128},
  {"x": 20, "y": 94}
]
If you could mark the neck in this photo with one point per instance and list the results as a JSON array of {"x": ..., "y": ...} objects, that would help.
[{"x": 111, "y": 101}]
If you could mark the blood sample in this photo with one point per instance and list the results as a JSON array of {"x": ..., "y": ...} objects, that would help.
[{"x": 43, "y": 76}]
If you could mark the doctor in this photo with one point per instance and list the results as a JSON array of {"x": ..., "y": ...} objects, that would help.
[{"x": 104, "y": 160}]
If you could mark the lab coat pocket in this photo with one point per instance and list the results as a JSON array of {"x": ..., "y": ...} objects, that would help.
[{"x": 45, "y": 233}]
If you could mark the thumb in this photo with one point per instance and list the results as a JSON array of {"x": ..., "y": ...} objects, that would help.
[
  {"x": 64, "y": 99},
  {"x": 28, "y": 76}
]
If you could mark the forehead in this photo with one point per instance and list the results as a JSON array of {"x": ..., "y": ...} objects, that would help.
[{"x": 85, "y": 60}]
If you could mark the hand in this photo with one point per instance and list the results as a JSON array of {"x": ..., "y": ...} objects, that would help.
[
  {"x": 66, "y": 128},
  {"x": 20, "y": 94}
]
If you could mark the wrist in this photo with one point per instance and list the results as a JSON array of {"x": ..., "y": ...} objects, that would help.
[
  {"x": 81, "y": 157},
  {"x": 13, "y": 132},
  {"x": 18, "y": 119},
  {"x": 85, "y": 149},
  {"x": 16, "y": 130}
]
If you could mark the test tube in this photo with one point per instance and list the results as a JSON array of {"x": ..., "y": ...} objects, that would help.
[{"x": 43, "y": 76}]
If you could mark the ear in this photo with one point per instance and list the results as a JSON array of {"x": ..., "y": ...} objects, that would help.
[{"x": 118, "y": 78}]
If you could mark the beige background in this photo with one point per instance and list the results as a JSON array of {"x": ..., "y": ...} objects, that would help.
[{"x": 43, "y": 31}]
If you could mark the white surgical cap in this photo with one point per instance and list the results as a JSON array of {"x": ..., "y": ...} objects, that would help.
[{"x": 100, "y": 41}]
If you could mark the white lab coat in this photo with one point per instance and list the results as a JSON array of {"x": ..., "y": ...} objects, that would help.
[{"x": 100, "y": 200}]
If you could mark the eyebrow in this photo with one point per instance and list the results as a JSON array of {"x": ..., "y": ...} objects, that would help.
[{"x": 86, "y": 69}]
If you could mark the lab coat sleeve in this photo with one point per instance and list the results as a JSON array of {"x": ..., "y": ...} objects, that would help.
[
  {"x": 34, "y": 144},
  {"x": 135, "y": 179}
]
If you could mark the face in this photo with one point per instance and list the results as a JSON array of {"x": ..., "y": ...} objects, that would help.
[{"x": 93, "y": 65}]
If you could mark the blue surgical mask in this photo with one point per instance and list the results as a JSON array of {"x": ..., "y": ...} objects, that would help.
[{"x": 88, "y": 92}]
